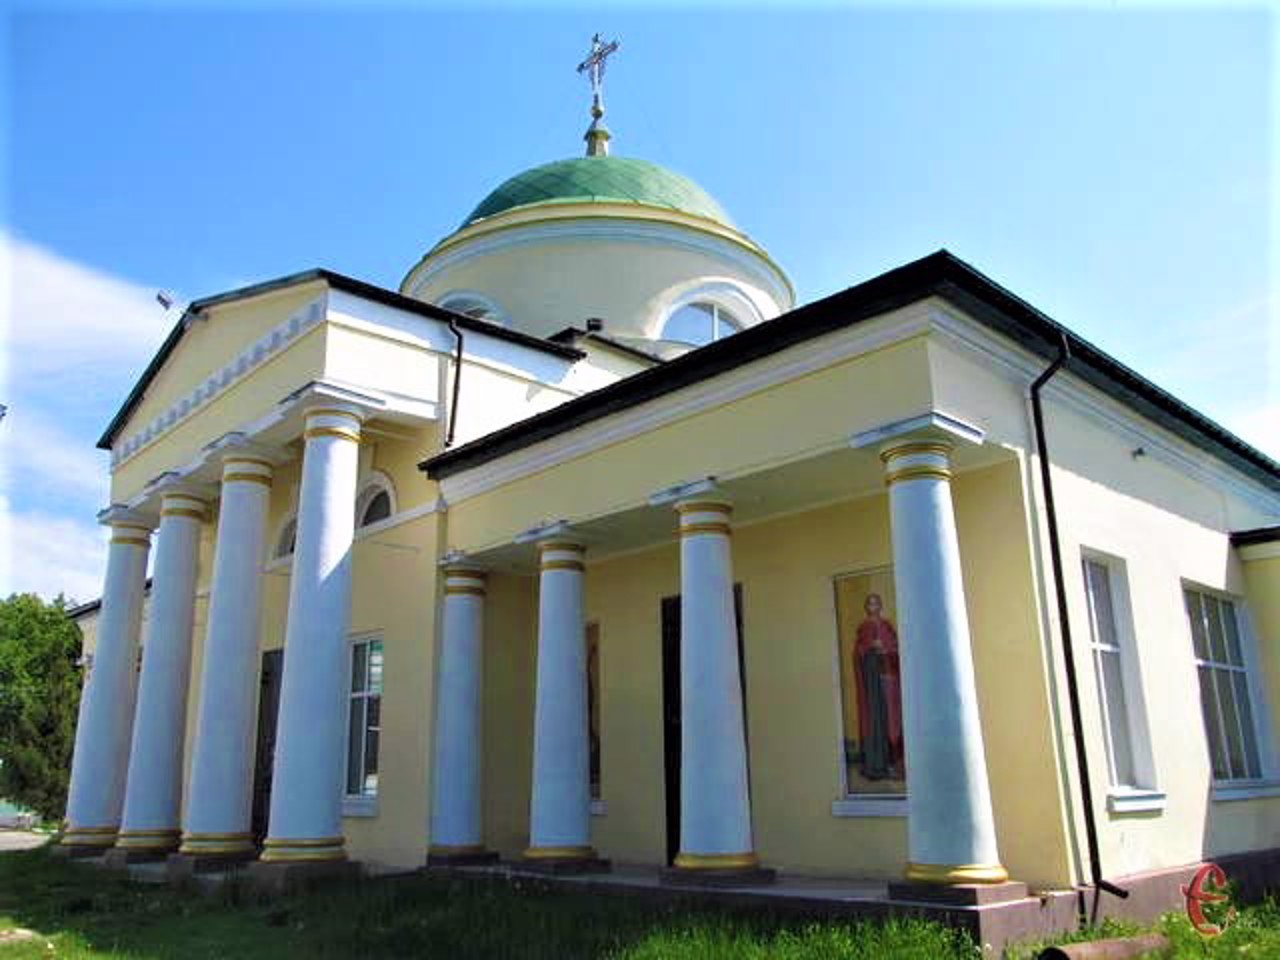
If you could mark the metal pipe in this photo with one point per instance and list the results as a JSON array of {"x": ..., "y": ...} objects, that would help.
[
  {"x": 457, "y": 382},
  {"x": 1059, "y": 583}
]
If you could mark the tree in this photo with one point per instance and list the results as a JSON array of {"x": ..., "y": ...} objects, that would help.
[{"x": 39, "y": 700}]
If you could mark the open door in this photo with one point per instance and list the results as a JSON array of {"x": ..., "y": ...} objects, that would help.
[
  {"x": 268, "y": 714},
  {"x": 671, "y": 714}
]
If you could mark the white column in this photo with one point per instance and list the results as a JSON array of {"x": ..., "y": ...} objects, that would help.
[
  {"x": 307, "y": 780},
  {"x": 219, "y": 794},
  {"x": 560, "y": 809},
  {"x": 101, "y": 755},
  {"x": 950, "y": 831},
  {"x": 153, "y": 793},
  {"x": 455, "y": 781},
  {"x": 715, "y": 805}
]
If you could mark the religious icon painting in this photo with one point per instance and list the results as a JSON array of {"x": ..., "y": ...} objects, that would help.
[{"x": 870, "y": 682}]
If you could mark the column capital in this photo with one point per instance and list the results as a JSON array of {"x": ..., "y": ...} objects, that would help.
[
  {"x": 122, "y": 515},
  {"x": 931, "y": 426},
  {"x": 174, "y": 484},
  {"x": 238, "y": 445},
  {"x": 705, "y": 488}
]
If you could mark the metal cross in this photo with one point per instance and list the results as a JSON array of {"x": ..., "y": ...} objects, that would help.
[{"x": 594, "y": 65}]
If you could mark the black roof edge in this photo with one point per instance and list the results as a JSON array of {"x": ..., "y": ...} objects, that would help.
[
  {"x": 938, "y": 274},
  {"x": 341, "y": 282},
  {"x": 571, "y": 335},
  {"x": 1246, "y": 538}
]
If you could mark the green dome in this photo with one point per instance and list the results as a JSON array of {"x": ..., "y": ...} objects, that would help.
[{"x": 601, "y": 179}]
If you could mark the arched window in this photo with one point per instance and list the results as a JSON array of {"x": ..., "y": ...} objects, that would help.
[
  {"x": 700, "y": 323},
  {"x": 376, "y": 500},
  {"x": 287, "y": 539},
  {"x": 475, "y": 305}
]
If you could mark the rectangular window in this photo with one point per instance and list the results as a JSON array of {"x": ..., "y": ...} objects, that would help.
[
  {"x": 364, "y": 722},
  {"x": 1224, "y": 686},
  {"x": 1108, "y": 663}
]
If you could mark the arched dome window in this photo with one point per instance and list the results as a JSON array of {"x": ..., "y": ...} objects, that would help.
[
  {"x": 472, "y": 304},
  {"x": 377, "y": 500},
  {"x": 287, "y": 539},
  {"x": 700, "y": 323}
]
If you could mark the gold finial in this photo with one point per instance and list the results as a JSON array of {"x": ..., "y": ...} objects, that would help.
[{"x": 597, "y": 135}]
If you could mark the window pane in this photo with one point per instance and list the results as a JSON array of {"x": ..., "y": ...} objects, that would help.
[
  {"x": 370, "y": 785},
  {"x": 375, "y": 667},
  {"x": 726, "y": 323},
  {"x": 1104, "y": 616},
  {"x": 1212, "y": 728},
  {"x": 1232, "y": 634},
  {"x": 358, "y": 658},
  {"x": 1230, "y": 723},
  {"x": 693, "y": 323},
  {"x": 1195, "y": 613},
  {"x": 355, "y": 737},
  {"x": 1253, "y": 767},
  {"x": 379, "y": 508},
  {"x": 1117, "y": 717},
  {"x": 1217, "y": 644}
]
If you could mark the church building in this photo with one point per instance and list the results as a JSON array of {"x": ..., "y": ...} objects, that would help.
[{"x": 589, "y": 548}]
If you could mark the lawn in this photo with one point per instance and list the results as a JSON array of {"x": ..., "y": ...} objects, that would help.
[{"x": 78, "y": 911}]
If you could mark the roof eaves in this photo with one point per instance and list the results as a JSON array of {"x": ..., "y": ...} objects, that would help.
[
  {"x": 938, "y": 274},
  {"x": 339, "y": 281},
  {"x": 1247, "y": 538}
]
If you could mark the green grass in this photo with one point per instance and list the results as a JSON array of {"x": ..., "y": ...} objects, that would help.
[
  {"x": 79, "y": 912},
  {"x": 84, "y": 912}
]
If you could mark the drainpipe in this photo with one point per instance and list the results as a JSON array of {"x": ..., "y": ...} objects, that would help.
[
  {"x": 1069, "y": 662},
  {"x": 457, "y": 382}
]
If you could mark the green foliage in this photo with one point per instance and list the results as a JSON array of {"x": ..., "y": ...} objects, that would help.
[
  {"x": 39, "y": 699},
  {"x": 83, "y": 913}
]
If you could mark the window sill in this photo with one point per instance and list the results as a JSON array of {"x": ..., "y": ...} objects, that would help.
[
  {"x": 1136, "y": 800},
  {"x": 360, "y": 806},
  {"x": 871, "y": 805},
  {"x": 1226, "y": 790},
  {"x": 599, "y": 808}
]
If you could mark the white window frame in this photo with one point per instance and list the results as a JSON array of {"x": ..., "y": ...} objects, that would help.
[
  {"x": 457, "y": 298},
  {"x": 720, "y": 294},
  {"x": 359, "y": 804},
  {"x": 375, "y": 483},
  {"x": 275, "y": 559},
  {"x": 1266, "y": 783},
  {"x": 1143, "y": 794}
]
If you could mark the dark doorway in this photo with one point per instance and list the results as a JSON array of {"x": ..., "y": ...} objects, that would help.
[
  {"x": 671, "y": 717},
  {"x": 268, "y": 713}
]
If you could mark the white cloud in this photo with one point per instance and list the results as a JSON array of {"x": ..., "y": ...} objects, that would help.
[
  {"x": 74, "y": 337},
  {"x": 50, "y": 554}
]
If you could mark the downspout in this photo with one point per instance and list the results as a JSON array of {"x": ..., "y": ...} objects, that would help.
[
  {"x": 1064, "y": 621},
  {"x": 457, "y": 382}
]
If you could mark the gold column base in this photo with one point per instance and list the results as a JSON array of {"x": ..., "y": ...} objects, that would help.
[
  {"x": 585, "y": 852},
  {"x": 717, "y": 861},
  {"x": 149, "y": 840},
  {"x": 104, "y": 837},
  {"x": 307, "y": 850},
  {"x": 956, "y": 873},
  {"x": 216, "y": 844}
]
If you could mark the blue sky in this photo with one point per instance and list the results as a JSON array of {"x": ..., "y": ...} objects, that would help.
[{"x": 1111, "y": 164}]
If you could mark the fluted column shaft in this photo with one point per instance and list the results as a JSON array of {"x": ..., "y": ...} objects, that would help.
[
  {"x": 153, "y": 793},
  {"x": 455, "y": 780},
  {"x": 950, "y": 829},
  {"x": 219, "y": 794},
  {"x": 715, "y": 805},
  {"x": 560, "y": 807},
  {"x": 307, "y": 780},
  {"x": 101, "y": 757}
]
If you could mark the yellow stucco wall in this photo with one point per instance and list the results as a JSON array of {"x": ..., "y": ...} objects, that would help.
[
  {"x": 796, "y": 419},
  {"x": 786, "y": 568}
]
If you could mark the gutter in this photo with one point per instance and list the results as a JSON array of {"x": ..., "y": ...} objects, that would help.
[
  {"x": 457, "y": 381},
  {"x": 1069, "y": 662}
]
